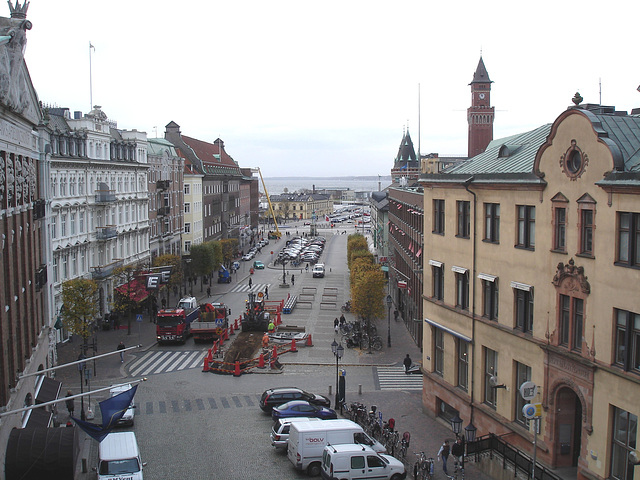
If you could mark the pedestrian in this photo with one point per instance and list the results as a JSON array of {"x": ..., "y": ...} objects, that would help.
[
  {"x": 342, "y": 320},
  {"x": 407, "y": 363},
  {"x": 443, "y": 454},
  {"x": 293, "y": 279},
  {"x": 250, "y": 282},
  {"x": 271, "y": 327},
  {"x": 70, "y": 403},
  {"x": 121, "y": 348},
  {"x": 164, "y": 302},
  {"x": 336, "y": 322},
  {"x": 395, "y": 314},
  {"x": 457, "y": 450},
  {"x": 266, "y": 292},
  {"x": 307, "y": 267},
  {"x": 208, "y": 291}
]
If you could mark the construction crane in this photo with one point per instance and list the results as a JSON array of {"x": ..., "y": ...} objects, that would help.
[{"x": 273, "y": 215}]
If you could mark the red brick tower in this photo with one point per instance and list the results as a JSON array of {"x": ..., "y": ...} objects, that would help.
[{"x": 481, "y": 114}]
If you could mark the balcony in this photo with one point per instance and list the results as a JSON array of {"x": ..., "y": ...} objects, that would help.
[
  {"x": 163, "y": 184},
  {"x": 106, "y": 233},
  {"x": 103, "y": 271},
  {"x": 105, "y": 196},
  {"x": 164, "y": 211}
]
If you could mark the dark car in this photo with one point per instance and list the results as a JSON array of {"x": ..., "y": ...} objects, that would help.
[
  {"x": 277, "y": 396},
  {"x": 300, "y": 408}
]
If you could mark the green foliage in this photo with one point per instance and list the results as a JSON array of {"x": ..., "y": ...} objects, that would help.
[
  {"x": 229, "y": 249},
  {"x": 215, "y": 251},
  {"x": 176, "y": 273},
  {"x": 202, "y": 261},
  {"x": 79, "y": 297},
  {"x": 367, "y": 294}
]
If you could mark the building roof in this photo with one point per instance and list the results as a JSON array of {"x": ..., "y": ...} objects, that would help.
[
  {"x": 406, "y": 157},
  {"x": 625, "y": 133},
  {"x": 215, "y": 160},
  {"x": 157, "y": 146},
  {"x": 481, "y": 75}
]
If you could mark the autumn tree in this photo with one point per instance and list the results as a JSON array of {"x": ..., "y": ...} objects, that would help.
[
  {"x": 229, "y": 249},
  {"x": 356, "y": 247},
  {"x": 177, "y": 274},
  {"x": 79, "y": 297},
  {"x": 125, "y": 302},
  {"x": 202, "y": 261}
]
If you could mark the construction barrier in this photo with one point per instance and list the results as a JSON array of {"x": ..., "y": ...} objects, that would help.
[{"x": 206, "y": 364}]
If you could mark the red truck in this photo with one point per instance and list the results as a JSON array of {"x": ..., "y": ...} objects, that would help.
[
  {"x": 174, "y": 324},
  {"x": 214, "y": 318}
]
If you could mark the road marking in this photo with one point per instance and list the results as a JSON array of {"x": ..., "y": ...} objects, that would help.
[
  {"x": 155, "y": 362},
  {"x": 394, "y": 378},
  {"x": 244, "y": 287}
]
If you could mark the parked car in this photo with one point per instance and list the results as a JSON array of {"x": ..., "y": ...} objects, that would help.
[
  {"x": 247, "y": 256},
  {"x": 277, "y": 396},
  {"x": 351, "y": 461},
  {"x": 127, "y": 418},
  {"x": 258, "y": 265},
  {"x": 280, "y": 430},
  {"x": 301, "y": 408}
]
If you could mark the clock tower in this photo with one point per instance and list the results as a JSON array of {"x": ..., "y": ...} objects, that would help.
[{"x": 481, "y": 114}]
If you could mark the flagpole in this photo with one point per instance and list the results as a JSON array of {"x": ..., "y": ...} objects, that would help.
[
  {"x": 70, "y": 397},
  {"x": 90, "y": 78}
]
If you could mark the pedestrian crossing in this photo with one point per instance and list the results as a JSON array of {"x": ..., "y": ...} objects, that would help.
[
  {"x": 254, "y": 288},
  {"x": 394, "y": 378},
  {"x": 155, "y": 362}
]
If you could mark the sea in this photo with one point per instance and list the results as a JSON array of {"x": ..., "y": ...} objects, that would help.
[{"x": 278, "y": 185}]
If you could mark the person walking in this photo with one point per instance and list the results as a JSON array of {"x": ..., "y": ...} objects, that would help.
[
  {"x": 266, "y": 292},
  {"x": 336, "y": 322},
  {"x": 342, "y": 320},
  {"x": 70, "y": 403},
  {"x": 443, "y": 454},
  {"x": 457, "y": 450},
  {"x": 407, "y": 363},
  {"x": 208, "y": 291},
  {"x": 293, "y": 279},
  {"x": 250, "y": 282},
  {"x": 121, "y": 348}
]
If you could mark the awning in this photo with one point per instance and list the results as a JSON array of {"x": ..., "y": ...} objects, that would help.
[
  {"x": 36, "y": 453},
  {"x": 134, "y": 290},
  {"x": 37, "y": 417},
  {"x": 448, "y": 330},
  {"x": 49, "y": 390}
]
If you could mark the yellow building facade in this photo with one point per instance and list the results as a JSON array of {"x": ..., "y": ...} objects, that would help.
[{"x": 532, "y": 273}]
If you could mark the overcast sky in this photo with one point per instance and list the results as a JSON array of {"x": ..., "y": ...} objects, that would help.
[{"x": 304, "y": 88}]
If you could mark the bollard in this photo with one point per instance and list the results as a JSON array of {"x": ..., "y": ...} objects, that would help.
[
  {"x": 236, "y": 372},
  {"x": 209, "y": 356},
  {"x": 309, "y": 342},
  {"x": 231, "y": 330},
  {"x": 293, "y": 345},
  {"x": 236, "y": 323},
  {"x": 359, "y": 389},
  {"x": 206, "y": 363},
  {"x": 275, "y": 352},
  {"x": 261, "y": 361},
  {"x": 329, "y": 390}
]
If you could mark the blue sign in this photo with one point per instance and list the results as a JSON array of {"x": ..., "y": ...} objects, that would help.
[
  {"x": 139, "y": 317},
  {"x": 219, "y": 321}
]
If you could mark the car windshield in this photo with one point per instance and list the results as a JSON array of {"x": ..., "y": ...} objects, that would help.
[
  {"x": 117, "y": 467},
  {"x": 169, "y": 321}
]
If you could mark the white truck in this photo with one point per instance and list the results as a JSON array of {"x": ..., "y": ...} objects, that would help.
[
  {"x": 308, "y": 439},
  {"x": 351, "y": 462}
]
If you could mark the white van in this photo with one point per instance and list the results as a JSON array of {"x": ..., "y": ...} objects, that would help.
[
  {"x": 127, "y": 418},
  {"x": 280, "y": 429},
  {"x": 318, "y": 270},
  {"x": 119, "y": 457},
  {"x": 307, "y": 440},
  {"x": 359, "y": 462}
]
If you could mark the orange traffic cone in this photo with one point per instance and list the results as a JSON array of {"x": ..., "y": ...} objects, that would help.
[
  {"x": 210, "y": 356},
  {"x": 215, "y": 348},
  {"x": 261, "y": 361},
  {"x": 275, "y": 352},
  {"x": 309, "y": 342},
  {"x": 206, "y": 363},
  {"x": 231, "y": 330},
  {"x": 293, "y": 345},
  {"x": 236, "y": 323},
  {"x": 236, "y": 372}
]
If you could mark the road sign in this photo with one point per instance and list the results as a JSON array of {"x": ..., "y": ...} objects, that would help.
[
  {"x": 139, "y": 317},
  {"x": 528, "y": 390},
  {"x": 219, "y": 322},
  {"x": 532, "y": 410}
]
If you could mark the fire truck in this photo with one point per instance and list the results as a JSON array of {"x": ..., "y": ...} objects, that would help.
[{"x": 174, "y": 324}]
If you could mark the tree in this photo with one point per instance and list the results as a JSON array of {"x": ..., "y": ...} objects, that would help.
[
  {"x": 286, "y": 207},
  {"x": 201, "y": 261},
  {"x": 229, "y": 249},
  {"x": 177, "y": 274},
  {"x": 125, "y": 302},
  {"x": 80, "y": 306}
]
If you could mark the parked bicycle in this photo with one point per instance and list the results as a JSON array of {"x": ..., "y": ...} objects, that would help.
[
  {"x": 404, "y": 446},
  {"x": 346, "y": 307},
  {"x": 423, "y": 468}
]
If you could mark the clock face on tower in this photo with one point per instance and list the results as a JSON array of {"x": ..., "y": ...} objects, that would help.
[{"x": 481, "y": 96}]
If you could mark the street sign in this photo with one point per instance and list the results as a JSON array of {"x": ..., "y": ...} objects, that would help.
[
  {"x": 139, "y": 317},
  {"x": 528, "y": 390},
  {"x": 532, "y": 410},
  {"x": 219, "y": 322}
]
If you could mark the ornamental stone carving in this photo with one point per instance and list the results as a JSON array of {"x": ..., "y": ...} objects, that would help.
[{"x": 575, "y": 278}]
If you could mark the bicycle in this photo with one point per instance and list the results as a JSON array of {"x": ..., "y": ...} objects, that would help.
[
  {"x": 423, "y": 468},
  {"x": 404, "y": 445}
]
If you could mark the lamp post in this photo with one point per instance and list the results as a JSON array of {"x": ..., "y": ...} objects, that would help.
[
  {"x": 469, "y": 435},
  {"x": 389, "y": 302},
  {"x": 81, "y": 367},
  {"x": 338, "y": 351}
]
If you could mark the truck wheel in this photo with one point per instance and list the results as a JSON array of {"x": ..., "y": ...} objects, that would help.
[
  {"x": 397, "y": 476},
  {"x": 314, "y": 469}
]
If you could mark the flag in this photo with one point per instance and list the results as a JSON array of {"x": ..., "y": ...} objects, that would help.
[{"x": 112, "y": 410}]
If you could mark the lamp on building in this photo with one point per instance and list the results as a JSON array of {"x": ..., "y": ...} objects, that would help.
[{"x": 469, "y": 434}]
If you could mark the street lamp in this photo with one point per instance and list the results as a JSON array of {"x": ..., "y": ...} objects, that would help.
[
  {"x": 338, "y": 351},
  {"x": 81, "y": 368},
  {"x": 469, "y": 434},
  {"x": 389, "y": 302}
]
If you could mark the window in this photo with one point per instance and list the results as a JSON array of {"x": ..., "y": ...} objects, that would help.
[
  {"x": 526, "y": 226},
  {"x": 523, "y": 374},
  {"x": 623, "y": 442},
  {"x": 187, "y": 228},
  {"x": 489, "y": 298},
  {"x": 571, "y": 322},
  {"x": 629, "y": 239},
  {"x": 187, "y": 189},
  {"x": 187, "y": 246},
  {"x": 438, "y": 351},
  {"x": 54, "y": 229},
  {"x": 72, "y": 223},
  {"x": 187, "y": 208},
  {"x": 438, "y": 281},
  {"x": 464, "y": 219},
  {"x": 560, "y": 229},
  {"x": 492, "y": 222},
  {"x": 490, "y": 370},
  {"x": 586, "y": 217},
  {"x": 524, "y": 309},
  {"x": 63, "y": 225},
  {"x": 438, "y": 217},
  {"x": 462, "y": 289},
  {"x": 627, "y": 348},
  {"x": 463, "y": 365}
]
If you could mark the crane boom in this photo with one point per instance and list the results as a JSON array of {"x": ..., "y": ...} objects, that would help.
[{"x": 273, "y": 215}]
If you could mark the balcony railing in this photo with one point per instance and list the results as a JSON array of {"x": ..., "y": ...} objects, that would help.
[
  {"x": 103, "y": 271},
  {"x": 163, "y": 184},
  {"x": 164, "y": 211},
  {"x": 106, "y": 233},
  {"x": 105, "y": 196}
]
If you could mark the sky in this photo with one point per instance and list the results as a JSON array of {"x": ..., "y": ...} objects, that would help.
[{"x": 302, "y": 88}]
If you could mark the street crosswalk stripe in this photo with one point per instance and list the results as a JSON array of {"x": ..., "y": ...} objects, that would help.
[
  {"x": 161, "y": 365},
  {"x": 146, "y": 359},
  {"x": 178, "y": 362},
  {"x": 244, "y": 287},
  {"x": 166, "y": 361},
  {"x": 156, "y": 358},
  {"x": 394, "y": 378}
]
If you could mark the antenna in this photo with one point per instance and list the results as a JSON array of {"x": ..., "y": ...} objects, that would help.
[
  {"x": 90, "y": 78},
  {"x": 600, "y": 88},
  {"x": 419, "y": 158}
]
